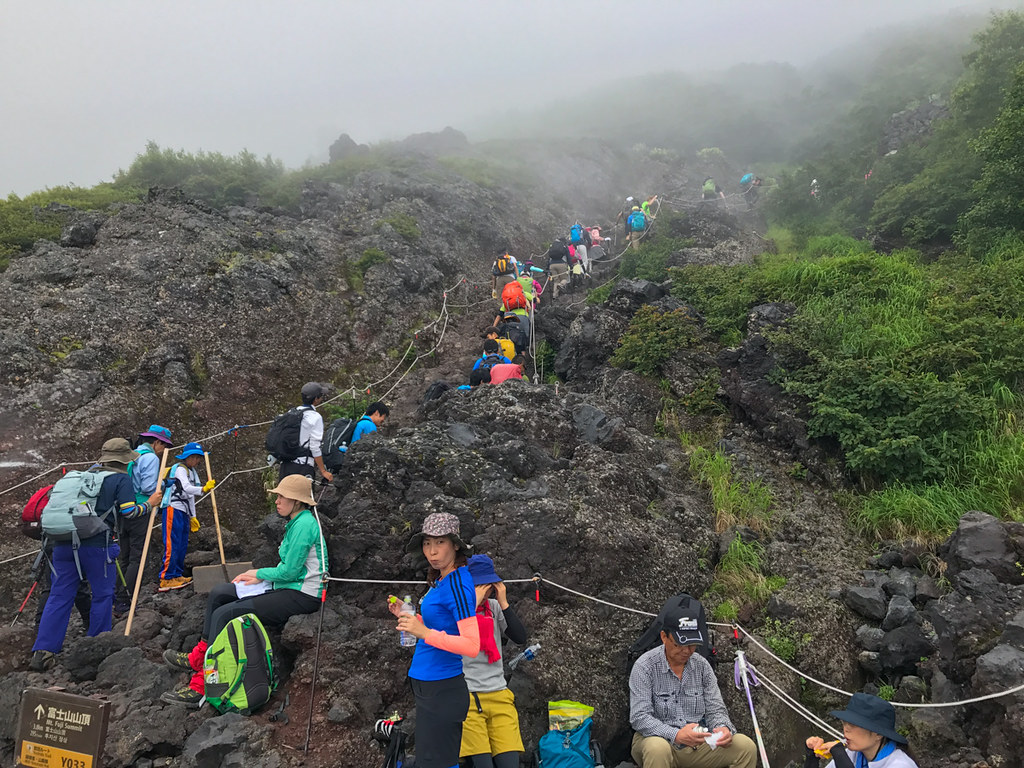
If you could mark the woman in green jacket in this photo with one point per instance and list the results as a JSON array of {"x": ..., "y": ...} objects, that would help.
[{"x": 293, "y": 586}]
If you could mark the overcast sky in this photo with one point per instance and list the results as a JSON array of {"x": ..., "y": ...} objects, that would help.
[{"x": 85, "y": 83}]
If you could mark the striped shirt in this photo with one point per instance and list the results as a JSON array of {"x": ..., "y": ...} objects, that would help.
[
  {"x": 661, "y": 703},
  {"x": 450, "y": 601}
]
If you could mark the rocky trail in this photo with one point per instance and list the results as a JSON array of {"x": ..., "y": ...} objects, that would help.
[{"x": 590, "y": 485}]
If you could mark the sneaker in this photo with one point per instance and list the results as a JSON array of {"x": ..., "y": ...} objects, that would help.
[
  {"x": 121, "y": 606},
  {"x": 42, "y": 661},
  {"x": 177, "y": 659},
  {"x": 186, "y": 697},
  {"x": 166, "y": 585}
]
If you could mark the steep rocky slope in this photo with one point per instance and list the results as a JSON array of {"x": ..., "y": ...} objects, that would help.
[{"x": 207, "y": 318}]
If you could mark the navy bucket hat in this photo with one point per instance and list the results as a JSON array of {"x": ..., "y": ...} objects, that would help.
[
  {"x": 481, "y": 568},
  {"x": 872, "y": 714}
]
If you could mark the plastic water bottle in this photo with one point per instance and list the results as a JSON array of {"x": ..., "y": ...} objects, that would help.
[
  {"x": 407, "y": 639},
  {"x": 526, "y": 655}
]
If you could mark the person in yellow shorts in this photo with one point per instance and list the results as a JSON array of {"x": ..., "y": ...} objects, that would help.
[{"x": 490, "y": 734}]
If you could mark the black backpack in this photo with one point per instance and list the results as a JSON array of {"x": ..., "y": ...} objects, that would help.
[
  {"x": 652, "y": 635},
  {"x": 283, "y": 436},
  {"x": 489, "y": 361},
  {"x": 339, "y": 433},
  {"x": 513, "y": 331},
  {"x": 435, "y": 390}
]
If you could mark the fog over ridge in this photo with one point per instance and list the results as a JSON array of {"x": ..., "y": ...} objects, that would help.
[{"x": 87, "y": 84}]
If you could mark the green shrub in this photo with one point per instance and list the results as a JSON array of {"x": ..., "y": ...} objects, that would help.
[
  {"x": 726, "y": 611},
  {"x": 740, "y": 574},
  {"x": 785, "y": 640},
  {"x": 23, "y": 220},
  {"x": 735, "y": 502},
  {"x": 652, "y": 338},
  {"x": 405, "y": 225},
  {"x": 600, "y": 295}
]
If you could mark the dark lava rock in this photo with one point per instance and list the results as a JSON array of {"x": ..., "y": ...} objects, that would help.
[
  {"x": 868, "y": 602},
  {"x": 901, "y": 611},
  {"x": 211, "y": 743},
  {"x": 902, "y": 649},
  {"x": 926, "y": 589},
  {"x": 81, "y": 233},
  {"x": 1013, "y": 635},
  {"x": 999, "y": 669},
  {"x": 628, "y": 296},
  {"x": 981, "y": 541},
  {"x": 83, "y": 657},
  {"x": 901, "y": 582},
  {"x": 593, "y": 424},
  {"x": 869, "y": 638}
]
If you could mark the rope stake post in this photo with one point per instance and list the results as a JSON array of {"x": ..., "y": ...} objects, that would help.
[
  {"x": 216, "y": 520},
  {"x": 145, "y": 545},
  {"x": 742, "y": 673}
]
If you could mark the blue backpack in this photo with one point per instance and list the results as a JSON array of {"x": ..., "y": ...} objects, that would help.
[
  {"x": 637, "y": 221},
  {"x": 576, "y": 234},
  {"x": 568, "y": 749},
  {"x": 747, "y": 178}
]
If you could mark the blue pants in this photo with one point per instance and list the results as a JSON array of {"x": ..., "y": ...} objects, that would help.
[
  {"x": 99, "y": 570},
  {"x": 176, "y": 527}
]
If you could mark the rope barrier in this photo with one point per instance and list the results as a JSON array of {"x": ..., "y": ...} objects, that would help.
[
  {"x": 777, "y": 691},
  {"x": 47, "y": 472}
]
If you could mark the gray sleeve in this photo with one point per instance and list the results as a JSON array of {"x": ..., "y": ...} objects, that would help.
[{"x": 499, "y": 616}]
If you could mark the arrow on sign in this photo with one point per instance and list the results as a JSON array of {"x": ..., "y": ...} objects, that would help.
[{"x": 40, "y": 712}]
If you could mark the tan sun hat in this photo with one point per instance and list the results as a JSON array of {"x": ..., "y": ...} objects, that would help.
[
  {"x": 118, "y": 450},
  {"x": 297, "y": 487}
]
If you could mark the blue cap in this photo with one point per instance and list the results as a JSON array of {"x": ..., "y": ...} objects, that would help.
[
  {"x": 481, "y": 568},
  {"x": 190, "y": 449},
  {"x": 163, "y": 434}
]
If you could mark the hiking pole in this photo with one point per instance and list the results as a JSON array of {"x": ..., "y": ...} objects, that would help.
[
  {"x": 145, "y": 547},
  {"x": 320, "y": 626},
  {"x": 24, "y": 602},
  {"x": 216, "y": 519},
  {"x": 120, "y": 574}
]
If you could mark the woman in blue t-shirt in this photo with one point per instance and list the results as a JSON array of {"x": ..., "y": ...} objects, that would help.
[{"x": 446, "y": 630}]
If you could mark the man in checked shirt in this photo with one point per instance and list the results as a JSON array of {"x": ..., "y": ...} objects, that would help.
[{"x": 673, "y": 692}]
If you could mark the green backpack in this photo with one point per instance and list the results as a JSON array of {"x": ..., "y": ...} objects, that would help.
[{"x": 238, "y": 670}]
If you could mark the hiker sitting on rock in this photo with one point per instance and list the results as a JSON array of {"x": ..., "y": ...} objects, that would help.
[
  {"x": 292, "y": 587},
  {"x": 370, "y": 421},
  {"x": 869, "y": 726},
  {"x": 179, "y": 505},
  {"x": 490, "y": 735},
  {"x": 82, "y": 518},
  {"x": 447, "y": 631},
  {"x": 673, "y": 692},
  {"x": 145, "y": 473}
]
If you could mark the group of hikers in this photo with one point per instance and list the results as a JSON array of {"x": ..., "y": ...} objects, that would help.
[
  {"x": 465, "y": 712},
  {"x": 93, "y": 523}
]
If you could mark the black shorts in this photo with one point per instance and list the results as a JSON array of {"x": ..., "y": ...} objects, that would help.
[{"x": 441, "y": 706}]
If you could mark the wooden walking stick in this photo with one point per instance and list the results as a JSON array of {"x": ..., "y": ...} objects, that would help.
[
  {"x": 145, "y": 545},
  {"x": 216, "y": 519}
]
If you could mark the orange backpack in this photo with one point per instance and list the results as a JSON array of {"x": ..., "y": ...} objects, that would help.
[{"x": 513, "y": 297}]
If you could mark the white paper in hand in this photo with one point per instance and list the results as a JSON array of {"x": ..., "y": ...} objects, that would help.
[
  {"x": 251, "y": 590},
  {"x": 712, "y": 739}
]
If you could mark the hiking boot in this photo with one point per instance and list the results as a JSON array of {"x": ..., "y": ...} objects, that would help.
[
  {"x": 185, "y": 697},
  {"x": 166, "y": 585},
  {"x": 121, "y": 606},
  {"x": 178, "y": 659},
  {"x": 42, "y": 661}
]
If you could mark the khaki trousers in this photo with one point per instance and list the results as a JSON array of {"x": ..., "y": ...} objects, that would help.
[{"x": 655, "y": 752}]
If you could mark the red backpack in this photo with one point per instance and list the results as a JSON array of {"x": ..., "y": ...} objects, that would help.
[
  {"x": 513, "y": 297},
  {"x": 33, "y": 511}
]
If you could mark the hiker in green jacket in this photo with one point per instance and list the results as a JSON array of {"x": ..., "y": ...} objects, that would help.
[{"x": 294, "y": 586}]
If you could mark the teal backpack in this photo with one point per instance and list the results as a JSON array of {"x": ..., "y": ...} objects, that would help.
[
  {"x": 568, "y": 749},
  {"x": 238, "y": 670},
  {"x": 70, "y": 514},
  {"x": 638, "y": 221}
]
